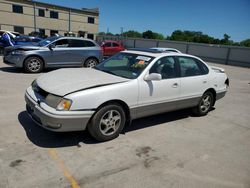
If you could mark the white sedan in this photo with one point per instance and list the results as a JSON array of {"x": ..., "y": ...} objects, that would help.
[{"x": 129, "y": 85}]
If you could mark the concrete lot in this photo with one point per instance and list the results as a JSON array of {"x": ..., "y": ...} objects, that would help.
[{"x": 168, "y": 150}]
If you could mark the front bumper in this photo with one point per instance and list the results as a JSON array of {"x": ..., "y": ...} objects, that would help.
[
  {"x": 75, "y": 121},
  {"x": 14, "y": 60}
]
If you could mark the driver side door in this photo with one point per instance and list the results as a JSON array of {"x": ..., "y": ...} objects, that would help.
[
  {"x": 158, "y": 96},
  {"x": 58, "y": 55}
]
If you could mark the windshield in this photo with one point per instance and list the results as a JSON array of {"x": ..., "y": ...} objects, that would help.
[
  {"x": 125, "y": 65},
  {"x": 46, "y": 41}
]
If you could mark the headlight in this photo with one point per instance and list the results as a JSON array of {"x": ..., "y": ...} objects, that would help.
[
  {"x": 52, "y": 100},
  {"x": 17, "y": 52},
  {"x": 64, "y": 104}
]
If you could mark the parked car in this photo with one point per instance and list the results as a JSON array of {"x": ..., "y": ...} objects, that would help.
[
  {"x": 110, "y": 47},
  {"x": 6, "y": 38},
  {"x": 37, "y": 34},
  {"x": 26, "y": 40},
  {"x": 166, "y": 49},
  {"x": 129, "y": 85},
  {"x": 54, "y": 52},
  {"x": 12, "y": 34}
]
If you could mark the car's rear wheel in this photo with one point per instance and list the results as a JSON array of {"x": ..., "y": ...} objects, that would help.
[
  {"x": 107, "y": 123},
  {"x": 33, "y": 65},
  {"x": 205, "y": 104},
  {"x": 91, "y": 62}
]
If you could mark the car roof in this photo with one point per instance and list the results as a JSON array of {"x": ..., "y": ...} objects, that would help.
[
  {"x": 164, "y": 49},
  {"x": 155, "y": 53},
  {"x": 110, "y": 41},
  {"x": 78, "y": 38}
]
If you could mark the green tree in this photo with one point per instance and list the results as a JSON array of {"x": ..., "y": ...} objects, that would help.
[
  {"x": 148, "y": 34},
  {"x": 132, "y": 34},
  {"x": 245, "y": 43},
  {"x": 226, "y": 40},
  {"x": 101, "y": 33},
  {"x": 152, "y": 35}
]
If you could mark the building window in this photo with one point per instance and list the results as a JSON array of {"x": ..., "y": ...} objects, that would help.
[
  {"x": 91, "y": 20},
  {"x": 41, "y": 12},
  {"x": 53, "y": 32},
  {"x": 42, "y": 32},
  {"x": 54, "y": 14},
  {"x": 17, "y": 9},
  {"x": 19, "y": 29},
  {"x": 90, "y": 36}
]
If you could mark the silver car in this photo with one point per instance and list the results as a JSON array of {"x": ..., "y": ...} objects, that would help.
[
  {"x": 129, "y": 85},
  {"x": 54, "y": 52}
]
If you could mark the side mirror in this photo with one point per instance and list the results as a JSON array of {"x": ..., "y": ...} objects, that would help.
[
  {"x": 51, "y": 46},
  {"x": 153, "y": 76}
]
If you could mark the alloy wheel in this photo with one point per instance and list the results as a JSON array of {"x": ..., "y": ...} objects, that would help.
[
  {"x": 205, "y": 103},
  {"x": 110, "y": 122},
  {"x": 34, "y": 65}
]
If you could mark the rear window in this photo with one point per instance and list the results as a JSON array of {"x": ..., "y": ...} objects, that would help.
[{"x": 81, "y": 43}]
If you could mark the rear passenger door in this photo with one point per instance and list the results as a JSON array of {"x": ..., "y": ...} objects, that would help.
[
  {"x": 194, "y": 80},
  {"x": 116, "y": 48},
  {"x": 107, "y": 48},
  {"x": 80, "y": 50}
]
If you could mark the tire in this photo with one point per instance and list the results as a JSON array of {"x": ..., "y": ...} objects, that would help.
[
  {"x": 91, "y": 62},
  {"x": 33, "y": 65},
  {"x": 107, "y": 123},
  {"x": 205, "y": 104}
]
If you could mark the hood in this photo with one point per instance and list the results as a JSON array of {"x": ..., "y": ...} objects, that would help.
[
  {"x": 64, "y": 81},
  {"x": 22, "y": 47}
]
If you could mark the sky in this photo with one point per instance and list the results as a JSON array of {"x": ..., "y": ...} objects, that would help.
[{"x": 212, "y": 17}]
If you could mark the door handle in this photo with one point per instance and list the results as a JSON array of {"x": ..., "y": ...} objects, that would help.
[
  {"x": 175, "y": 85},
  {"x": 204, "y": 82}
]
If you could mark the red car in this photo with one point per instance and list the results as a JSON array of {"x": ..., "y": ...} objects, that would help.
[{"x": 110, "y": 47}]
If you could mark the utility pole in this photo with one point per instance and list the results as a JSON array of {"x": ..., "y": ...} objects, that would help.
[
  {"x": 69, "y": 20},
  {"x": 34, "y": 8},
  {"x": 121, "y": 31}
]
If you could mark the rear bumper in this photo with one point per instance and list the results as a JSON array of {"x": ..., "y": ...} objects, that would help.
[
  {"x": 220, "y": 95},
  {"x": 56, "y": 122}
]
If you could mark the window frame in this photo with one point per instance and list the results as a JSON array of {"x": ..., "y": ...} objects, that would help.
[
  {"x": 115, "y": 44},
  {"x": 16, "y": 29},
  {"x": 56, "y": 31},
  {"x": 105, "y": 45},
  {"x": 177, "y": 69},
  {"x": 42, "y": 31},
  {"x": 53, "y": 13},
  {"x": 40, "y": 10},
  {"x": 92, "y": 36},
  {"x": 61, "y": 39},
  {"x": 199, "y": 64},
  {"x": 84, "y": 42},
  {"x": 15, "y": 9},
  {"x": 91, "y": 20}
]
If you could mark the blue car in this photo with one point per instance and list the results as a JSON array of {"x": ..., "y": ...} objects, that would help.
[{"x": 26, "y": 40}]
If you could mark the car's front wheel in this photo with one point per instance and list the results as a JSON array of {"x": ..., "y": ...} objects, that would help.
[
  {"x": 107, "y": 123},
  {"x": 91, "y": 62},
  {"x": 33, "y": 65},
  {"x": 205, "y": 104}
]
